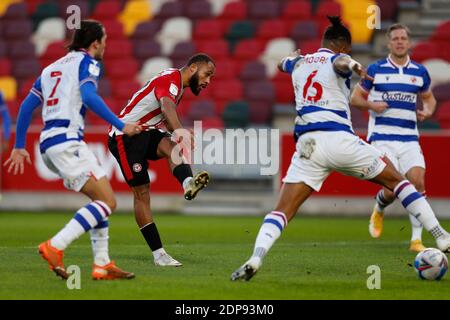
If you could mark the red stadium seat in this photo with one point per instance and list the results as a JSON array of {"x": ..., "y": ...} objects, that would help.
[
  {"x": 116, "y": 49},
  {"x": 270, "y": 29},
  {"x": 215, "y": 48},
  {"x": 284, "y": 92},
  {"x": 309, "y": 46},
  {"x": 226, "y": 91},
  {"x": 328, "y": 8},
  {"x": 121, "y": 68},
  {"x": 442, "y": 32},
  {"x": 210, "y": 29},
  {"x": 233, "y": 11},
  {"x": 114, "y": 29},
  {"x": 5, "y": 67},
  {"x": 123, "y": 90},
  {"x": 53, "y": 52},
  {"x": 260, "y": 112},
  {"x": 425, "y": 50},
  {"x": 248, "y": 49},
  {"x": 295, "y": 11},
  {"x": 225, "y": 69},
  {"x": 107, "y": 10}
]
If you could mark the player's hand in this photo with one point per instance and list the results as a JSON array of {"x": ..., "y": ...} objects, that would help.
[
  {"x": 378, "y": 106},
  {"x": 361, "y": 71},
  {"x": 424, "y": 114},
  {"x": 16, "y": 161},
  {"x": 132, "y": 128},
  {"x": 185, "y": 137}
]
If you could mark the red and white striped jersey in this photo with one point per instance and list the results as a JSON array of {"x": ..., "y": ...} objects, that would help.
[{"x": 144, "y": 107}]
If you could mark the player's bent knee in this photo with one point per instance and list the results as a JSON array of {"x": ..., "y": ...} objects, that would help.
[{"x": 141, "y": 193}]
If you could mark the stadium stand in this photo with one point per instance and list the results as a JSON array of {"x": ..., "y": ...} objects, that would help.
[{"x": 245, "y": 37}]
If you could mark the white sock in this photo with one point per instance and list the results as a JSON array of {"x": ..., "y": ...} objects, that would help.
[
  {"x": 418, "y": 206},
  {"x": 186, "y": 182},
  {"x": 381, "y": 202},
  {"x": 85, "y": 219},
  {"x": 99, "y": 240},
  {"x": 416, "y": 228},
  {"x": 273, "y": 224},
  {"x": 158, "y": 253}
]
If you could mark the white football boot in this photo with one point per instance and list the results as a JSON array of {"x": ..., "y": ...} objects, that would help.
[
  {"x": 443, "y": 243},
  {"x": 165, "y": 260},
  {"x": 247, "y": 270}
]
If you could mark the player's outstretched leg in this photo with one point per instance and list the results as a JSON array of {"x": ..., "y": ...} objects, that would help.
[
  {"x": 291, "y": 197},
  {"x": 383, "y": 198},
  {"x": 415, "y": 203}
]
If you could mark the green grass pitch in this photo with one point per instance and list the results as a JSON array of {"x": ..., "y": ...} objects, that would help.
[{"x": 316, "y": 258}]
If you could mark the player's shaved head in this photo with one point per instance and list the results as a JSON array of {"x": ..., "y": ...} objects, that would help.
[
  {"x": 336, "y": 35},
  {"x": 89, "y": 32},
  {"x": 200, "y": 58}
]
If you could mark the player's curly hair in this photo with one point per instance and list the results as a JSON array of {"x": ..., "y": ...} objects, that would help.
[
  {"x": 337, "y": 31},
  {"x": 89, "y": 31}
]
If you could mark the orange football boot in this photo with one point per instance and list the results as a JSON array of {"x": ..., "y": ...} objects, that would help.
[
  {"x": 54, "y": 257},
  {"x": 110, "y": 272}
]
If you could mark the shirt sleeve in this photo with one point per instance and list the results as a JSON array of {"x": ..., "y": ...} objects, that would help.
[
  {"x": 89, "y": 71},
  {"x": 36, "y": 89},
  {"x": 30, "y": 103},
  {"x": 426, "y": 81},
  {"x": 367, "y": 84},
  {"x": 288, "y": 64},
  {"x": 168, "y": 86}
]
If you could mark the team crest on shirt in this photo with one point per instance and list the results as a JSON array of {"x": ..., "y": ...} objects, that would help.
[
  {"x": 137, "y": 167},
  {"x": 413, "y": 79},
  {"x": 173, "y": 89},
  {"x": 94, "y": 70}
]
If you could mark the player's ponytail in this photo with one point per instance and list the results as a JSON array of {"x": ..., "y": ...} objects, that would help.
[
  {"x": 89, "y": 31},
  {"x": 337, "y": 31}
]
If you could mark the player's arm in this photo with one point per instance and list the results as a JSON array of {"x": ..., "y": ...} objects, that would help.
[
  {"x": 344, "y": 65},
  {"x": 169, "y": 111},
  {"x": 429, "y": 105},
  {"x": 6, "y": 124},
  {"x": 19, "y": 154},
  {"x": 287, "y": 64},
  {"x": 90, "y": 98},
  {"x": 359, "y": 100}
]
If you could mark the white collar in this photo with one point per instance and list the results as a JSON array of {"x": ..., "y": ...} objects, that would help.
[{"x": 406, "y": 65}]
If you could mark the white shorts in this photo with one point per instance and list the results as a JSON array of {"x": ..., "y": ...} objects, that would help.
[
  {"x": 319, "y": 153},
  {"x": 403, "y": 155},
  {"x": 74, "y": 163}
]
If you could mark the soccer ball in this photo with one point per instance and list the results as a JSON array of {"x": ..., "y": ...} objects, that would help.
[{"x": 431, "y": 264}]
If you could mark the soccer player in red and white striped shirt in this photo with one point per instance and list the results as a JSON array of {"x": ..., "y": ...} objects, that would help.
[{"x": 154, "y": 108}]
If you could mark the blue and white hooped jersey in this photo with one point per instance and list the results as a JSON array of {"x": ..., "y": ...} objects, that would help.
[
  {"x": 399, "y": 87},
  {"x": 321, "y": 94},
  {"x": 58, "y": 88}
]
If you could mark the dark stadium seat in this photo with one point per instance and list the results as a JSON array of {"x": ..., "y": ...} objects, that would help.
[
  {"x": 198, "y": 9},
  {"x": 104, "y": 87},
  {"x": 201, "y": 108},
  {"x": 16, "y": 11},
  {"x": 21, "y": 49},
  {"x": 169, "y": 10},
  {"x": 442, "y": 92},
  {"x": 17, "y": 30},
  {"x": 146, "y": 30},
  {"x": 43, "y": 11},
  {"x": 25, "y": 69},
  {"x": 305, "y": 30},
  {"x": 181, "y": 53},
  {"x": 261, "y": 97},
  {"x": 236, "y": 114},
  {"x": 263, "y": 10},
  {"x": 260, "y": 112},
  {"x": 443, "y": 115},
  {"x": 270, "y": 29},
  {"x": 144, "y": 49},
  {"x": 240, "y": 30},
  {"x": 3, "y": 48},
  {"x": 253, "y": 71}
]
